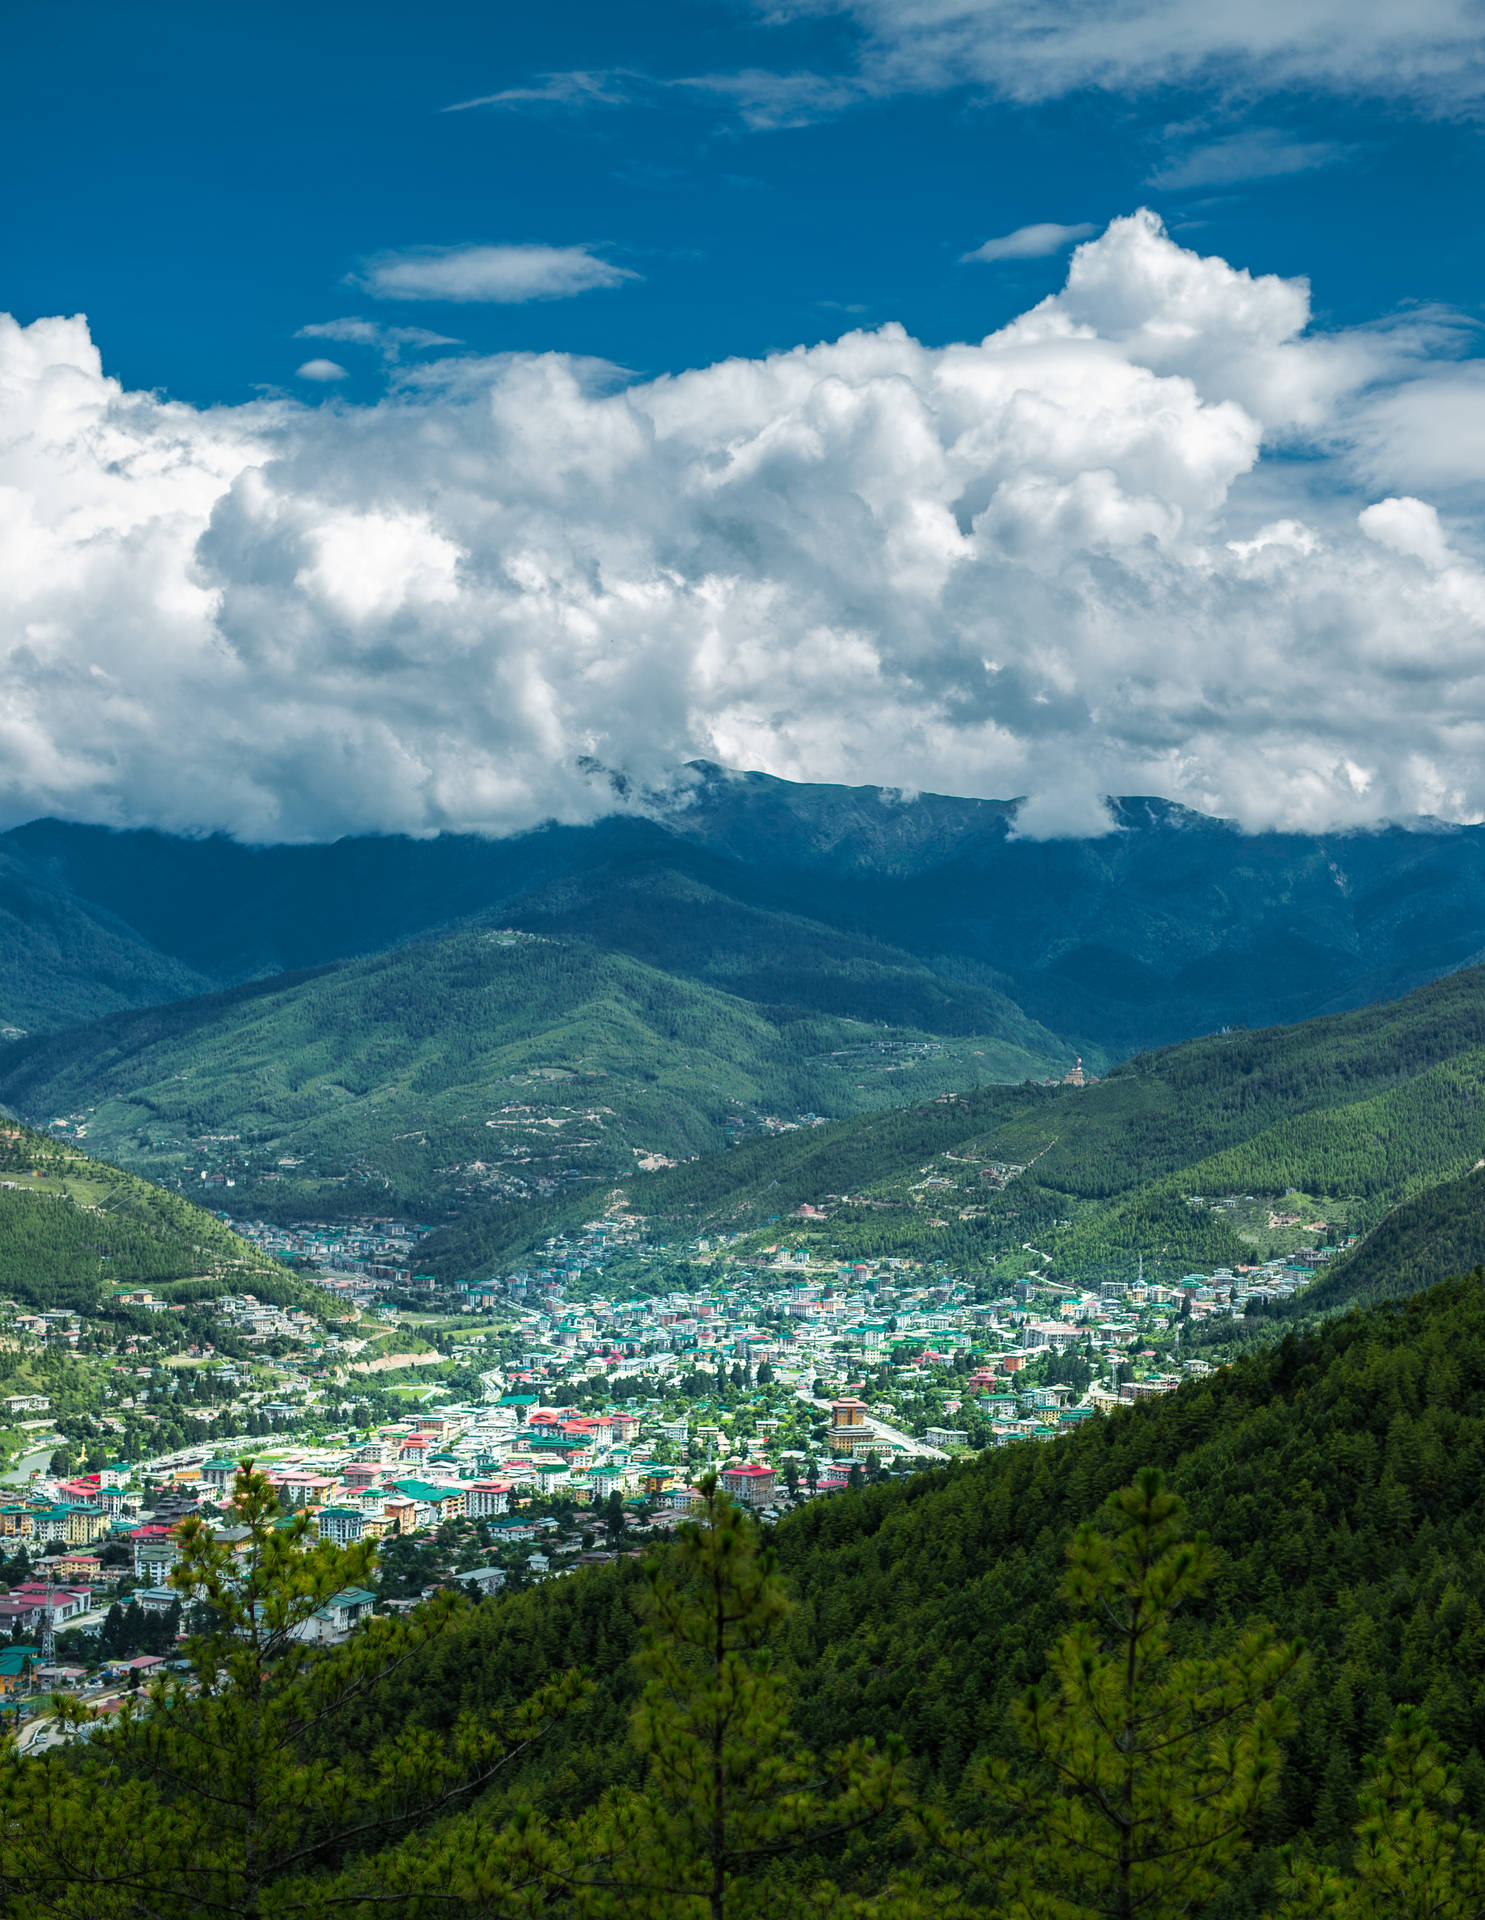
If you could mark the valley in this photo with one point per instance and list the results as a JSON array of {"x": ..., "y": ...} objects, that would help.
[{"x": 497, "y": 1243}]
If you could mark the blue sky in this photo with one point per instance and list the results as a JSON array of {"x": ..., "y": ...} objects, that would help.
[
  {"x": 200, "y": 181},
  {"x": 405, "y": 413}
]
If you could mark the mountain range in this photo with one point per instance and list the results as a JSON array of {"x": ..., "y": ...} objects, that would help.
[
  {"x": 455, "y": 1028},
  {"x": 483, "y": 1065},
  {"x": 858, "y": 901}
]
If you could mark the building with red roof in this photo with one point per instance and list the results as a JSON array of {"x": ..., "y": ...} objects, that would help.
[{"x": 751, "y": 1486}]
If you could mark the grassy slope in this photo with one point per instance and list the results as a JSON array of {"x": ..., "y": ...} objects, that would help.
[
  {"x": 72, "y": 1228},
  {"x": 476, "y": 1064},
  {"x": 1366, "y": 1108}
]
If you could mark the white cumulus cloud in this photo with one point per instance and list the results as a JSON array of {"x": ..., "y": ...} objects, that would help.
[
  {"x": 1407, "y": 526},
  {"x": 1159, "y": 534},
  {"x": 496, "y": 275},
  {"x": 321, "y": 370}
]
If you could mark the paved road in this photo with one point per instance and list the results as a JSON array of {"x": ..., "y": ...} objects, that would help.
[
  {"x": 38, "y": 1736},
  {"x": 40, "y": 1457}
]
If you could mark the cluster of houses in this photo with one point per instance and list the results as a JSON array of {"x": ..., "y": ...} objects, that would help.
[
  {"x": 358, "y": 1259},
  {"x": 257, "y": 1320},
  {"x": 805, "y": 1323}
]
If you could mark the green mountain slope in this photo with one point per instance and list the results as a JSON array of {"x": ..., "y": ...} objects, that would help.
[
  {"x": 484, "y": 1064},
  {"x": 1178, "y": 1157},
  {"x": 685, "y": 917},
  {"x": 1439, "y": 1232},
  {"x": 64, "y": 960},
  {"x": 1341, "y": 1477},
  {"x": 74, "y": 1231}
]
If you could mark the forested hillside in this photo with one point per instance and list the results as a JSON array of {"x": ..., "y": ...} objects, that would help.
[
  {"x": 1178, "y": 1157},
  {"x": 485, "y": 1064},
  {"x": 1422, "y": 1241},
  {"x": 64, "y": 960},
  {"x": 1340, "y": 1475},
  {"x": 74, "y": 1230}
]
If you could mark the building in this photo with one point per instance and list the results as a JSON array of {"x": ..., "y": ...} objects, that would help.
[
  {"x": 753, "y": 1486},
  {"x": 81, "y": 1567},
  {"x": 482, "y": 1580},
  {"x": 485, "y": 1498},
  {"x": 27, "y": 1606},
  {"x": 76, "y": 1526},
  {"x": 16, "y": 1665},
  {"x": 330, "y": 1624},
  {"x": 301, "y": 1489},
  {"x": 342, "y": 1525},
  {"x": 847, "y": 1425},
  {"x": 434, "y": 1503},
  {"x": 400, "y": 1514},
  {"x": 156, "y": 1550}
]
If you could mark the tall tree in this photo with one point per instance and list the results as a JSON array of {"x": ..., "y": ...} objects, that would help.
[
  {"x": 1414, "y": 1858},
  {"x": 729, "y": 1791},
  {"x": 1151, "y": 1765}
]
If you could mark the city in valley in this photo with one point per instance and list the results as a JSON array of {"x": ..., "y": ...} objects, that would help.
[{"x": 507, "y": 1432}]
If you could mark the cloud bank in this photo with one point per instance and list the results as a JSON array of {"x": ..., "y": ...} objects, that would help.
[{"x": 1158, "y": 535}]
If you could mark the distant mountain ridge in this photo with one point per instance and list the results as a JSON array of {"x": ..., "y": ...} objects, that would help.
[
  {"x": 477, "y": 1065},
  {"x": 1171, "y": 925}
]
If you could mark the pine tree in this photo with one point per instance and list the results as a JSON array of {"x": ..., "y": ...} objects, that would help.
[
  {"x": 1414, "y": 1859},
  {"x": 729, "y": 1791},
  {"x": 1152, "y": 1766}
]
